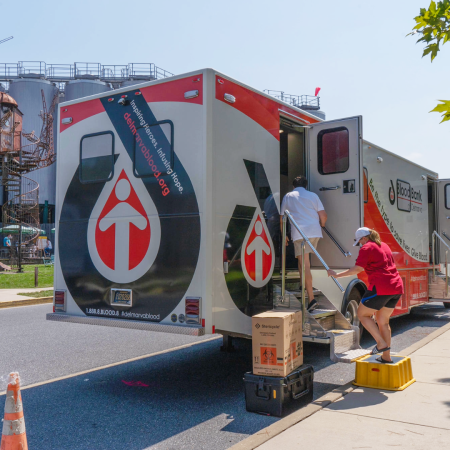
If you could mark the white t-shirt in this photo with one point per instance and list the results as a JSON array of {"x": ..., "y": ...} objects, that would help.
[
  {"x": 49, "y": 245},
  {"x": 304, "y": 207}
]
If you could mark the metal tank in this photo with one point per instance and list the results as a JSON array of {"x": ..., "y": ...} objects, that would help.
[
  {"x": 319, "y": 114},
  {"x": 132, "y": 82},
  {"x": 83, "y": 88},
  {"x": 27, "y": 93}
]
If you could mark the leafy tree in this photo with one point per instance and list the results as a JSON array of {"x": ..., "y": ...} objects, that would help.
[{"x": 433, "y": 24}]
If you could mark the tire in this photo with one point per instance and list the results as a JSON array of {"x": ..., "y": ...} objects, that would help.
[
  {"x": 447, "y": 305},
  {"x": 350, "y": 310}
]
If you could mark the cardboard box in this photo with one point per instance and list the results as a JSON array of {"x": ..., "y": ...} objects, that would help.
[{"x": 277, "y": 342}]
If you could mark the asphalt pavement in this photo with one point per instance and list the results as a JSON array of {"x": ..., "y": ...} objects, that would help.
[{"x": 191, "y": 398}]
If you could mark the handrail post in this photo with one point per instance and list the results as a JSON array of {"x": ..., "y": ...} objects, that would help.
[
  {"x": 303, "y": 285},
  {"x": 446, "y": 273},
  {"x": 433, "y": 254},
  {"x": 283, "y": 259}
]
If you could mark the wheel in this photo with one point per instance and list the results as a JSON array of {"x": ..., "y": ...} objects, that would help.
[
  {"x": 447, "y": 305},
  {"x": 350, "y": 311}
]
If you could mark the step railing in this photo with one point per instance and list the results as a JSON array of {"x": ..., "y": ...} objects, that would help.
[
  {"x": 336, "y": 243},
  {"x": 287, "y": 215},
  {"x": 434, "y": 236}
]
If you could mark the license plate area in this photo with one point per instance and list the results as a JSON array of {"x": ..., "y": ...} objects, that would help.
[{"x": 121, "y": 297}]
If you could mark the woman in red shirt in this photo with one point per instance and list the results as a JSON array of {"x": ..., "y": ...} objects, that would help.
[{"x": 384, "y": 290}]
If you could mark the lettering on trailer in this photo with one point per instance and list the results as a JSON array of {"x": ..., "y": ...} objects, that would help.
[
  {"x": 249, "y": 250},
  {"x": 401, "y": 240},
  {"x": 407, "y": 198},
  {"x": 130, "y": 232}
]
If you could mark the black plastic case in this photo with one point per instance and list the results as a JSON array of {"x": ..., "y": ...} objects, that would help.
[{"x": 279, "y": 396}]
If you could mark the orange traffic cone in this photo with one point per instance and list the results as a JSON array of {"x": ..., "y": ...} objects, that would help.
[{"x": 13, "y": 434}]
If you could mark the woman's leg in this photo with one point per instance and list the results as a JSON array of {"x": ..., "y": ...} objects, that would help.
[
  {"x": 365, "y": 316},
  {"x": 383, "y": 316}
]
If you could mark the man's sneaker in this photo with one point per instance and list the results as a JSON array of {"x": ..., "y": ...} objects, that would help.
[{"x": 312, "y": 305}]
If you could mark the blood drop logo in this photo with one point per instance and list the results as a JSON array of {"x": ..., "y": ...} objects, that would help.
[
  {"x": 257, "y": 254},
  {"x": 124, "y": 229}
]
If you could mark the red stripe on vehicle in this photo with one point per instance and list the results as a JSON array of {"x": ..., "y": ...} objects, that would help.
[
  {"x": 259, "y": 108},
  {"x": 79, "y": 112},
  {"x": 173, "y": 91},
  {"x": 374, "y": 220}
]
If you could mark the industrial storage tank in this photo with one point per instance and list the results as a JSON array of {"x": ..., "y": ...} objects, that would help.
[
  {"x": 127, "y": 83},
  {"x": 83, "y": 88},
  {"x": 27, "y": 93}
]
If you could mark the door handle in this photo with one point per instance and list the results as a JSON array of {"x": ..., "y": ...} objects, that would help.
[{"x": 333, "y": 188}]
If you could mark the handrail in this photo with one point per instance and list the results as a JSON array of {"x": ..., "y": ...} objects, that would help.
[
  {"x": 345, "y": 253},
  {"x": 286, "y": 215},
  {"x": 434, "y": 235},
  {"x": 445, "y": 235}
]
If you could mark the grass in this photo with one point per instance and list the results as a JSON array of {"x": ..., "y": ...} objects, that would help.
[
  {"x": 14, "y": 280},
  {"x": 37, "y": 294}
]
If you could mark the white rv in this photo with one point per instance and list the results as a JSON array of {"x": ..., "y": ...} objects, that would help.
[{"x": 168, "y": 200}]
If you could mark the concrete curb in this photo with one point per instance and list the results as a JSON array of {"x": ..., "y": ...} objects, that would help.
[
  {"x": 27, "y": 302},
  {"x": 264, "y": 435}
]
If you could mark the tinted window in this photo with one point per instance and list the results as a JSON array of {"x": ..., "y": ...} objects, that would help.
[
  {"x": 333, "y": 150},
  {"x": 153, "y": 149},
  {"x": 97, "y": 157}
]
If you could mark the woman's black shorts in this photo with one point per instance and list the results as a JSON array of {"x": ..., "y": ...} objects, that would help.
[{"x": 374, "y": 301}]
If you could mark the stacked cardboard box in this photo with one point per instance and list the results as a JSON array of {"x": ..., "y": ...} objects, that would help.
[{"x": 277, "y": 343}]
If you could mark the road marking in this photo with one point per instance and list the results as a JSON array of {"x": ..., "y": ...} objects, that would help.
[{"x": 137, "y": 358}]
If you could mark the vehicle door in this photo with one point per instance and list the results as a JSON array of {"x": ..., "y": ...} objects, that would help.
[
  {"x": 443, "y": 218},
  {"x": 335, "y": 175}
]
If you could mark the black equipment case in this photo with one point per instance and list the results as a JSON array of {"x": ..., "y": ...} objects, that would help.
[{"x": 278, "y": 396}]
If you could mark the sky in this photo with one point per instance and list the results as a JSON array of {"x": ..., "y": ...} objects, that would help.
[{"x": 357, "y": 52}]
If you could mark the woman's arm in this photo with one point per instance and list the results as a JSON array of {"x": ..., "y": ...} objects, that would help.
[{"x": 346, "y": 273}]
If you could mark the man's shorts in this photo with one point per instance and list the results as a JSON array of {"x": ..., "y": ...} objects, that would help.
[
  {"x": 374, "y": 301},
  {"x": 298, "y": 246}
]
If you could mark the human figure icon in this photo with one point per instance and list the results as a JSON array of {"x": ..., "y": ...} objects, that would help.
[
  {"x": 122, "y": 216},
  {"x": 258, "y": 246}
]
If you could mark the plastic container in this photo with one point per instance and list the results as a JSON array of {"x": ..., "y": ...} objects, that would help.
[{"x": 279, "y": 396}]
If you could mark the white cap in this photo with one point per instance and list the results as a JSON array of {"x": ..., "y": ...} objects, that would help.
[{"x": 360, "y": 233}]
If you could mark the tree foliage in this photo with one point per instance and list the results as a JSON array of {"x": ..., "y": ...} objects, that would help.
[{"x": 433, "y": 24}]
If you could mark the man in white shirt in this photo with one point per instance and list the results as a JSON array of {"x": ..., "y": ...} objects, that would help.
[{"x": 309, "y": 214}]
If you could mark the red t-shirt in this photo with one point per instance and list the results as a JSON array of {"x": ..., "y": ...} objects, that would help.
[{"x": 379, "y": 265}]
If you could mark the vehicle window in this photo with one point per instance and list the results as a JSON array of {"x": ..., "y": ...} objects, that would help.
[
  {"x": 447, "y": 196},
  {"x": 153, "y": 150},
  {"x": 333, "y": 150},
  {"x": 366, "y": 184},
  {"x": 97, "y": 157}
]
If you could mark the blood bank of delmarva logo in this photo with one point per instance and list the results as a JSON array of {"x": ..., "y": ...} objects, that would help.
[{"x": 124, "y": 229}]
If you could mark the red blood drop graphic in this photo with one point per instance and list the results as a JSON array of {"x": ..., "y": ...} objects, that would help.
[{"x": 139, "y": 239}]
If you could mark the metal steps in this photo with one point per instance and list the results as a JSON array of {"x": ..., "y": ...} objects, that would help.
[{"x": 325, "y": 324}]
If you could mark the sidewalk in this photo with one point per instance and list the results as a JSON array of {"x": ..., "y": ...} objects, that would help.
[
  {"x": 416, "y": 418},
  {"x": 9, "y": 297}
]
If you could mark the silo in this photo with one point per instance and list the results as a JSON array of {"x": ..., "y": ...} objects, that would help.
[
  {"x": 27, "y": 92},
  {"x": 83, "y": 88},
  {"x": 132, "y": 82},
  {"x": 2, "y": 88}
]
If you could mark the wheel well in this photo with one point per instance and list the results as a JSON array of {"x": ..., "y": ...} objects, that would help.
[{"x": 355, "y": 291}]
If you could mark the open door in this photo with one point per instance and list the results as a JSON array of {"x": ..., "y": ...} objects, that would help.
[
  {"x": 443, "y": 217},
  {"x": 335, "y": 174}
]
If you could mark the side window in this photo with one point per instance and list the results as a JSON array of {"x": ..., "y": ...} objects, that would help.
[
  {"x": 447, "y": 196},
  {"x": 153, "y": 150},
  {"x": 333, "y": 150},
  {"x": 97, "y": 157},
  {"x": 366, "y": 184}
]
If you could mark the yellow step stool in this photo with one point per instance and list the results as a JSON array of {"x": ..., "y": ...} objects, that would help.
[{"x": 392, "y": 377}]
